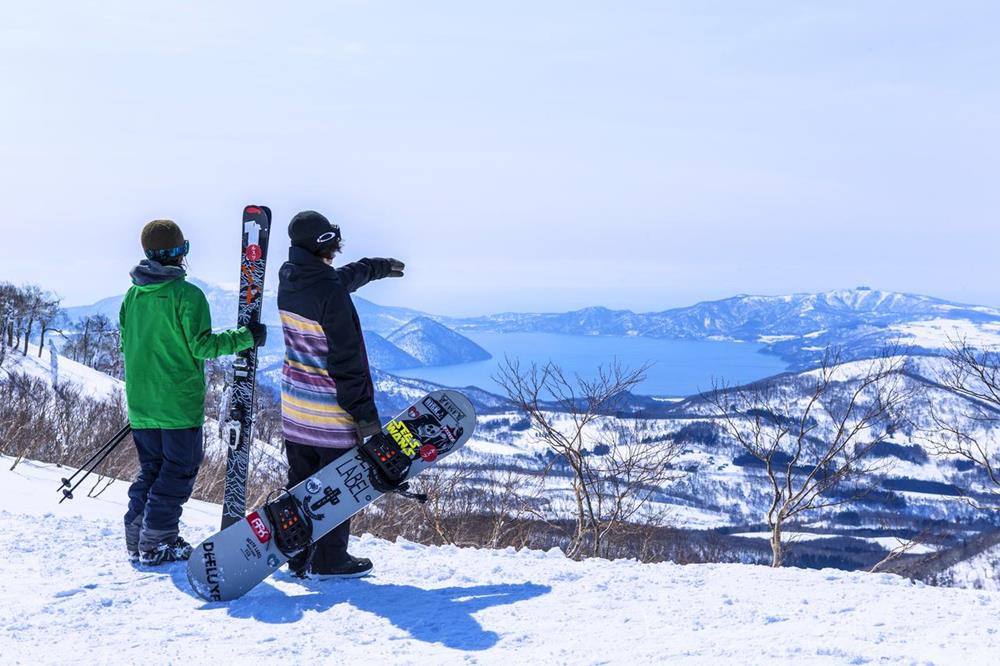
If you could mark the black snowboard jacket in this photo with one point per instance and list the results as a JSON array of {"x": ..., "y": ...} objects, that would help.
[{"x": 311, "y": 289}]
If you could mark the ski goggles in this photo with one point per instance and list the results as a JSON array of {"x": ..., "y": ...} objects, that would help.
[
  {"x": 169, "y": 253},
  {"x": 329, "y": 237}
]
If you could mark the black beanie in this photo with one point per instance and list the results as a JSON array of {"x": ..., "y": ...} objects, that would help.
[
  {"x": 161, "y": 235},
  {"x": 312, "y": 231}
]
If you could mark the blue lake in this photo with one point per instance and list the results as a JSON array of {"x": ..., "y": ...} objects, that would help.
[{"x": 680, "y": 367}]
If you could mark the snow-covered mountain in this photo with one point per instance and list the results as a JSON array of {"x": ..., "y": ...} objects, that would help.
[
  {"x": 434, "y": 344},
  {"x": 68, "y": 590},
  {"x": 384, "y": 355},
  {"x": 797, "y": 327},
  {"x": 91, "y": 382},
  {"x": 745, "y": 317}
]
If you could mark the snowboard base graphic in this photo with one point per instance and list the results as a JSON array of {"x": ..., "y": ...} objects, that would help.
[{"x": 231, "y": 562}]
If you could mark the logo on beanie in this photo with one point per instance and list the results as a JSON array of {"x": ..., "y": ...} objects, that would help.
[{"x": 328, "y": 236}]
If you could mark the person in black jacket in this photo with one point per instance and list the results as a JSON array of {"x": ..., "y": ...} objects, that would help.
[{"x": 327, "y": 397}]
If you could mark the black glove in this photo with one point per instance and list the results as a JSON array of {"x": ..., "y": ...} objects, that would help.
[
  {"x": 396, "y": 268},
  {"x": 259, "y": 333},
  {"x": 367, "y": 428}
]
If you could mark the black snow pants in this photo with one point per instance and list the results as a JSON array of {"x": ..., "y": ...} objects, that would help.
[{"x": 331, "y": 550}]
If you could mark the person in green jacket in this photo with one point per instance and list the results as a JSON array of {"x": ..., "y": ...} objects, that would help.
[{"x": 166, "y": 335}]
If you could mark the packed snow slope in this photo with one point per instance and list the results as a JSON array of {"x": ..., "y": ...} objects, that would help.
[
  {"x": 92, "y": 382},
  {"x": 67, "y": 593}
]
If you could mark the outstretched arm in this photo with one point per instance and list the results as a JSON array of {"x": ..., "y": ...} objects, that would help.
[{"x": 359, "y": 273}]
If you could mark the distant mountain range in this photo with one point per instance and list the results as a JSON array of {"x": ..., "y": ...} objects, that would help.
[
  {"x": 797, "y": 327},
  {"x": 396, "y": 338},
  {"x": 742, "y": 317}
]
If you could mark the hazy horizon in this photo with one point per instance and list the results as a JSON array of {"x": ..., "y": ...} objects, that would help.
[
  {"x": 518, "y": 157},
  {"x": 271, "y": 288}
]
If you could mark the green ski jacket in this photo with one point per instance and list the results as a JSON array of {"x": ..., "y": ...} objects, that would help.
[{"x": 166, "y": 335}]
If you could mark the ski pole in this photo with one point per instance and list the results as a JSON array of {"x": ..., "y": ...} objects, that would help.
[
  {"x": 111, "y": 442},
  {"x": 68, "y": 493}
]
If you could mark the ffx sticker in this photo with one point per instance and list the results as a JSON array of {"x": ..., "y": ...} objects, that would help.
[{"x": 259, "y": 527}]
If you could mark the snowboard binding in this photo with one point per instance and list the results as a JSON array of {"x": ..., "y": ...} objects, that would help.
[
  {"x": 390, "y": 466},
  {"x": 389, "y": 462},
  {"x": 292, "y": 527}
]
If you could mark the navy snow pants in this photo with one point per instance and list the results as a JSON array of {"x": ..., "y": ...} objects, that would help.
[
  {"x": 331, "y": 550},
  {"x": 168, "y": 467}
]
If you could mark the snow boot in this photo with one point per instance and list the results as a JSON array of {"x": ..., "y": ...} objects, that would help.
[
  {"x": 175, "y": 550},
  {"x": 350, "y": 567},
  {"x": 132, "y": 539}
]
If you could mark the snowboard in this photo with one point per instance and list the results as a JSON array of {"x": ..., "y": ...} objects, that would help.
[
  {"x": 231, "y": 562},
  {"x": 237, "y": 422}
]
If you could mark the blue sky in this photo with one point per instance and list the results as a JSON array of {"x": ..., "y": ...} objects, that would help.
[{"x": 517, "y": 155}]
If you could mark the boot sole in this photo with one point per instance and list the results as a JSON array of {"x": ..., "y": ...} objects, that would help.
[{"x": 356, "y": 574}]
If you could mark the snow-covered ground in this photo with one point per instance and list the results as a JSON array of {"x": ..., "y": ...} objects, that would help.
[
  {"x": 979, "y": 572},
  {"x": 92, "y": 382},
  {"x": 68, "y": 594},
  {"x": 942, "y": 333},
  {"x": 888, "y": 542}
]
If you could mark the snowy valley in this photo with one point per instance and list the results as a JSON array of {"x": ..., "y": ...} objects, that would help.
[{"x": 716, "y": 496}]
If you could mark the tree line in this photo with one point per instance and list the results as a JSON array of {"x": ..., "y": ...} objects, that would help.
[
  {"x": 28, "y": 311},
  {"x": 22, "y": 309}
]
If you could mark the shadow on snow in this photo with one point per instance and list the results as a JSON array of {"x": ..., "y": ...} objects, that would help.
[
  {"x": 437, "y": 615},
  {"x": 441, "y": 615}
]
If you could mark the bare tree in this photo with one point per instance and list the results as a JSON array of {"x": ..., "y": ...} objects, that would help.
[
  {"x": 970, "y": 431},
  {"x": 8, "y": 295},
  {"x": 575, "y": 420},
  {"x": 902, "y": 547},
  {"x": 486, "y": 505},
  {"x": 33, "y": 303},
  {"x": 98, "y": 345},
  {"x": 814, "y": 436},
  {"x": 50, "y": 316},
  {"x": 15, "y": 314}
]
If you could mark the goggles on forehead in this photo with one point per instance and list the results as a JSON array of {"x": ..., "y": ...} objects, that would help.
[
  {"x": 333, "y": 235},
  {"x": 169, "y": 253}
]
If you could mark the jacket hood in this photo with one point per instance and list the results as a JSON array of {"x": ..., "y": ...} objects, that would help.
[
  {"x": 304, "y": 268},
  {"x": 151, "y": 272}
]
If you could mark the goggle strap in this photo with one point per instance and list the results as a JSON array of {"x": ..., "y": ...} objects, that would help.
[{"x": 169, "y": 253}]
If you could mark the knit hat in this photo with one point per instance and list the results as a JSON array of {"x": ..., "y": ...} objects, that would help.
[
  {"x": 162, "y": 239},
  {"x": 312, "y": 231}
]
